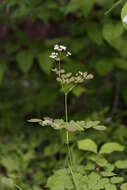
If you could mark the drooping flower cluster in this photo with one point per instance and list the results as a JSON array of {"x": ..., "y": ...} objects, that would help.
[
  {"x": 69, "y": 78},
  {"x": 56, "y": 55},
  {"x": 71, "y": 126}
]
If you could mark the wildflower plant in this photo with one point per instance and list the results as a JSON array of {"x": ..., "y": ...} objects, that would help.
[{"x": 74, "y": 178}]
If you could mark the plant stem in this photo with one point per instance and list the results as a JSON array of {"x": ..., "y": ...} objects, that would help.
[
  {"x": 70, "y": 163},
  {"x": 67, "y": 133},
  {"x": 73, "y": 177},
  {"x": 59, "y": 68},
  {"x": 18, "y": 187},
  {"x": 113, "y": 6}
]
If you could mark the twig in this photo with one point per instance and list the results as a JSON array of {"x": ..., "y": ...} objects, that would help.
[{"x": 113, "y": 6}]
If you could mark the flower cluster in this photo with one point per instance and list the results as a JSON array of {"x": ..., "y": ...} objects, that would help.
[
  {"x": 69, "y": 78},
  {"x": 56, "y": 55}
]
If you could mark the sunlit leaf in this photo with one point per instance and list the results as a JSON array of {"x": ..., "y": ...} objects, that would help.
[
  {"x": 110, "y": 147},
  {"x": 87, "y": 145}
]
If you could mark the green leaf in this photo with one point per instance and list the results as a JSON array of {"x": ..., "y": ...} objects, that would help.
[
  {"x": 110, "y": 187},
  {"x": 103, "y": 182},
  {"x": 108, "y": 148},
  {"x": 60, "y": 180},
  {"x": 87, "y": 145},
  {"x": 99, "y": 127},
  {"x": 90, "y": 124},
  {"x": 110, "y": 167},
  {"x": 116, "y": 180},
  {"x": 45, "y": 62},
  {"x": 107, "y": 174},
  {"x": 90, "y": 166},
  {"x": 25, "y": 60},
  {"x": 7, "y": 182},
  {"x": 124, "y": 15},
  {"x": 121, "y": 164},
  {"x": 123, "y": 186},
  {"x": 10, "y": 164},
  {"x": 102, "y": 162},
  {"x": 112, "y": 31}
]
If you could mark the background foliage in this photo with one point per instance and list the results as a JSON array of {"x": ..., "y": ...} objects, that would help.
[{"x": 28, "y": 30}]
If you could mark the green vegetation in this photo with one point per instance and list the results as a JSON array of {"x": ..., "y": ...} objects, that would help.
[{"x": 33, "y": 157}]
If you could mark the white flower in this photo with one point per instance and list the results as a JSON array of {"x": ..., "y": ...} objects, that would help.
[
  {"x": 124, "y": 20},
  {"x": 63, "y": 47},
  {"x": 56, "y": 47},
  {"x": 54, "y": 55},
  {"x": 60, "y": 47}
]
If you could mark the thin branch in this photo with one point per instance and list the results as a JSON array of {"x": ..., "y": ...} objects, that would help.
[{"x": 113, "y": 6}]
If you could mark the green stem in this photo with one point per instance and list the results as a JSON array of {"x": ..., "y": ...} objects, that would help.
[
  {"x": 18, "y": 187},
  {"x": 73, "y": 177},
  {"x": 70, "y": 163},
  {"x": 113, "y": 6},
  {"x": 59, "y": 68},
  {"x": 66, "y": 112}
]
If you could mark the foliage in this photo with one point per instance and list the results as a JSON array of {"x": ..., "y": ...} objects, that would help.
[{"x": 28, "y": 30}]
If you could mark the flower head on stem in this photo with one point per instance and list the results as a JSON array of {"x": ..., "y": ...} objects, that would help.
[{"x": 60, "y": 51}]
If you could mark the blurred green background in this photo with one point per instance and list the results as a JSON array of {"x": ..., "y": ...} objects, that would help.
[{"x": 28, "y": 88}]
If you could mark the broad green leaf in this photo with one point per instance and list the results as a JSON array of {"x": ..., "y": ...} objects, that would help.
[
  {"x": 110, "y": 187},
  {"x": 99, "y": 127},
  {"x": 124, "y": 15},
  {"x": 101, "y": 162},
  {"x": 90, "y": 124},
  {"x": 25, "y": 60},
  {"x": 7, "y": 182},
  {"x": 121, "y": 164},
  {"x": 60, "y": 180},
  {"x": 107, "y": 174},
  {"x": 108, "y": 148},
  {"x": 110, "y": 167},
  {"x": 123, "y": 186},
  {"x": 103, "y": 182},
  {"x": 116, "y": 180},
  {"x": 45, "y": 62},
  {"x": 90, "y": 166},
  {"x": 10, "y": 164},
  {"x": 112, "y": 31},
  {"x": 87, "y": 145}
]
